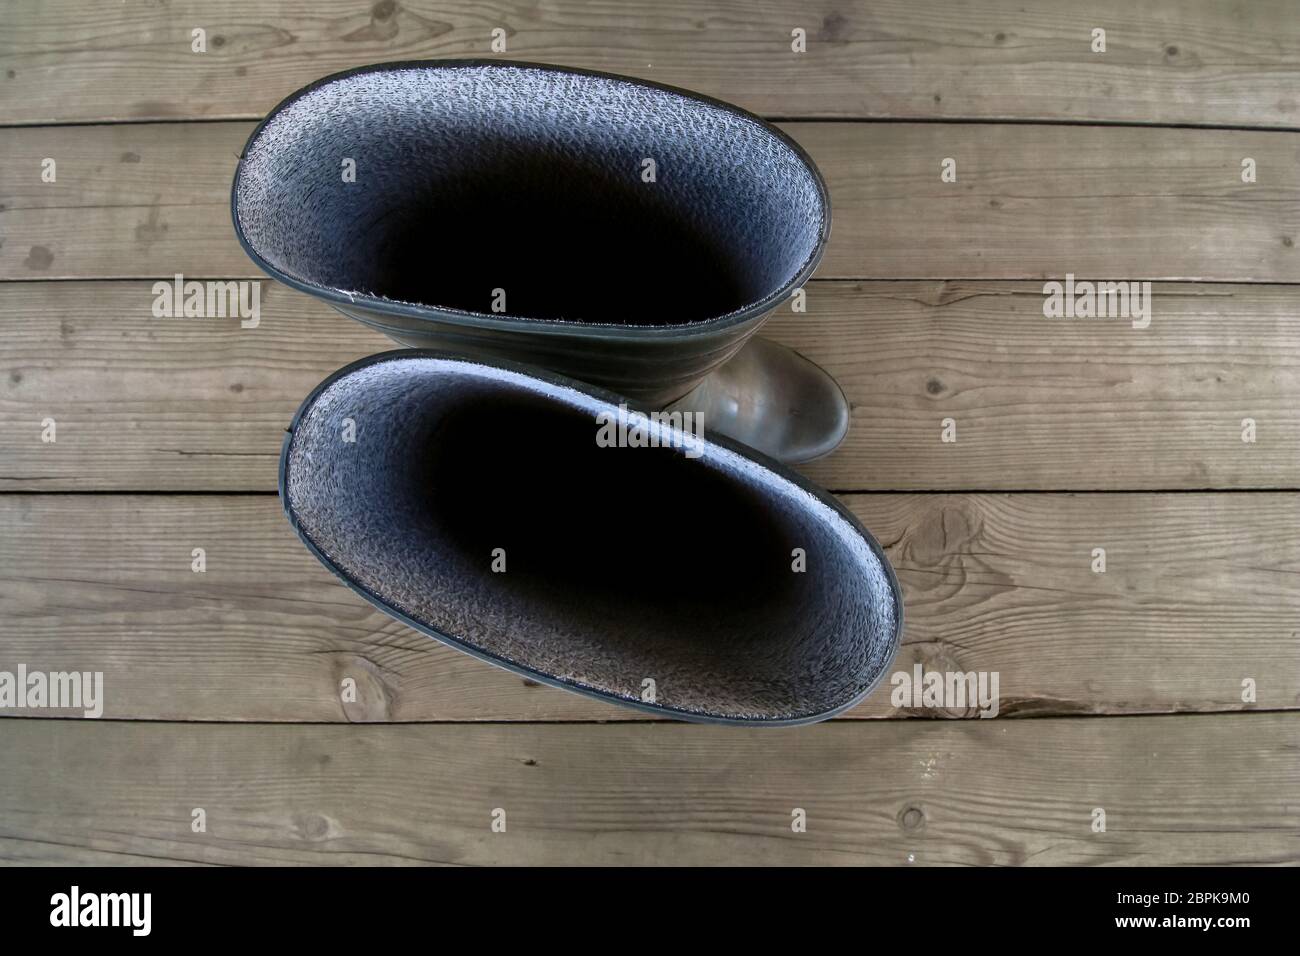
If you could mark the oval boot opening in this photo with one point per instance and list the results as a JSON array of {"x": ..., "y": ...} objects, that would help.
[
  {"x": 477, "y": 503},
  {"x": 529, "y": 191}
]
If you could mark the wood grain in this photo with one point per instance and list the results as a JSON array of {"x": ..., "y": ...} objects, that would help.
[
  {"x": 1029, "y": 202},
  {"x": 1200, "y": 592},
  {"x": 151, "y": 404},
  {"x": 1166, "y": 61},
  {"x": 222, "y": 687},
  {"x": 1208, "y": 790}
]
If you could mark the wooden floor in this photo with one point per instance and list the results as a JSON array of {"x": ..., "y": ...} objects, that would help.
[{"x": 1120, "y": 691}]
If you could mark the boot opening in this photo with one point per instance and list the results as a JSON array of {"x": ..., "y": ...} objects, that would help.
[
  {"x": 477, "y": 503},
  {"x": 471, "y": 179}
]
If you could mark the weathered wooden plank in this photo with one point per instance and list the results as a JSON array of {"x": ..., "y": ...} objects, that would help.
[
  {"x": 1209, "y": 790},
  {"x": 1029, "y": 202},
  {"x": 143, "y": 200},
  {"x": 156, "y": 404},
  {"x": 1167, "y": 61},
  {"x": 201, "y": 404},
  {"x": 1200, "y": 592},
  {"x": 1051, "y": 404}
]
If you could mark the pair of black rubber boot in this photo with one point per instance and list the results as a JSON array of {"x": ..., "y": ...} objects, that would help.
[{"x": 574, "y": 473}]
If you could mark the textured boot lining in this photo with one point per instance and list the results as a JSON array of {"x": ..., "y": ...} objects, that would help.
[
  {"x": 473, "y": 178},
  {"x": 622, "y": 564}
]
